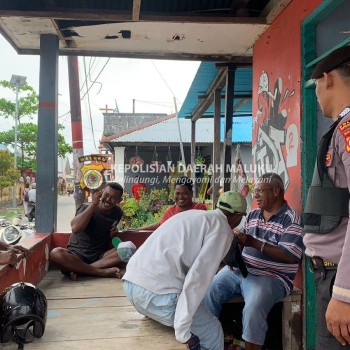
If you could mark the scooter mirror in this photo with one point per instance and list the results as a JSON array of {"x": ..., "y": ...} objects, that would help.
[{"x": 11, "y": 234}]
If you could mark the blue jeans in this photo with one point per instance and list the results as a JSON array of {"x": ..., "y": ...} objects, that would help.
[
  {"x": 162, "y": 307},
  {"x": 260, "y": 293}
]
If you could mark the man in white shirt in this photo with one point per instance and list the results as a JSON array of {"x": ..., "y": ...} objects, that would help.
[
  {"x": 167, "y": 278},
  {"x": 32, "y": 193}
]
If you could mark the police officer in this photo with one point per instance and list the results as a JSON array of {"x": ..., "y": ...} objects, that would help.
[{"x": 327, "y": 238}]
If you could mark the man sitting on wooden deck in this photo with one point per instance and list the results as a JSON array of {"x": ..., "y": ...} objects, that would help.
[
  {"x": 183, "y": 195},
  {"x": 92, "y": 230},
  {"x": 166, "y": 279},
  {"x": 272, "y": 237}
]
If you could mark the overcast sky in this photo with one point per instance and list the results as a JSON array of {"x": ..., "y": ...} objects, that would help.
[{"x": 152, "y": 83}]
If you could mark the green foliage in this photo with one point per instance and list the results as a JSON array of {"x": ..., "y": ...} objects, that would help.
[
  {"x": 6, "y": 160},
  {"x": 5, "y": 182},
  {"x": 28, "y": 102},
  {"x": 27, "y": 144},
  {"x": 8, "y": 174},
  {"x": 147, "y": 210},
  {"x": 28, "y": 105}
]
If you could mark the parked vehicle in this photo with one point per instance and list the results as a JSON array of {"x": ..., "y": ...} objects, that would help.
[{"x": 31, "y": 213}]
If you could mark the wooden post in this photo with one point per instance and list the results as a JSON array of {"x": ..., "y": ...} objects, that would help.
[
  {"x": 193, "y": 156},
  {"x": 77, "y": 130},
  {"x": 216, "y": 146},
  {"x": 230, "y": 84}
]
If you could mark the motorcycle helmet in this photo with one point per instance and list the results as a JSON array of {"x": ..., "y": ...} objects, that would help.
[{"x": 22, "y": 305}]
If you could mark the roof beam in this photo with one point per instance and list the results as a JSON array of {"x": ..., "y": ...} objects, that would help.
[
  {"x": 67, "y": 51},
  {"x": 104, "y": 15},
  {"x": 239, "y": 104},
  {"x": 136, "y": 7},
  {"x": 202, "y": 97},
  {"x": 273, "y": 9},
  {"x": 219, "y": 83},
  {"x": 203, "y": 105}
]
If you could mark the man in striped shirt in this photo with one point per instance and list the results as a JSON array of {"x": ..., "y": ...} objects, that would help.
[{"x": 272, "y": 241}]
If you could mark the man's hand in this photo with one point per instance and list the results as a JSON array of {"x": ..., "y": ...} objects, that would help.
[
  {"x": 338, "y": 320},
  {"x": 96, "y": 196},
  {"x": 113, "y": 232},
  {"x": 8, "y": 257},
  {"x": 193, "y": 343},
  {"x": 242, "y": 238},
  {"x": 18, "y": 249}
]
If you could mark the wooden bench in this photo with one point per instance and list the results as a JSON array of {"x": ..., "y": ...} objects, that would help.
[{"x": 291, "y": 319}]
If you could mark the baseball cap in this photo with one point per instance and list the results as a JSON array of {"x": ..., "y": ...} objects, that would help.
[
  {"x": 331, "y": 61},
  {"x": 33, "y": 185},
  {"x": 233, "y": 202},
  {"x": 126, "y": 250}
]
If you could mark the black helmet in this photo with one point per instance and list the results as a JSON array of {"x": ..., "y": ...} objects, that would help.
[{"x": 22, "y": 304}]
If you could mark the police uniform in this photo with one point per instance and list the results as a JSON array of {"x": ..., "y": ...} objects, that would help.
[{"x": 325, "y": 248}]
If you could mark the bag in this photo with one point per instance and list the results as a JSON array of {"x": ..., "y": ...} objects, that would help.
[
  {"x": 234, "y": 258},
  {"x": 26, "y": 196}
]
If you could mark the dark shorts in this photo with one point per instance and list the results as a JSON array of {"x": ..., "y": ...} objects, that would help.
[{"x": 88, "y": 258}]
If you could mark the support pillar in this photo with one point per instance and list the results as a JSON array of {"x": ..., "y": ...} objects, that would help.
[
  {"x": 47, "y": 156},
  {"x": 216, "y": 147},
  {"x": 119, "y": 164},
  {"x": 193, "y": 156},
  {"x": 230, "y": 84}
]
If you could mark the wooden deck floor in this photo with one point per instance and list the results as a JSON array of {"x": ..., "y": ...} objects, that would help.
[{"x": 93, "y": 313}]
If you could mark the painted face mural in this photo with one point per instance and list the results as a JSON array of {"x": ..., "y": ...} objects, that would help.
[{"x": 274, "y": 144}]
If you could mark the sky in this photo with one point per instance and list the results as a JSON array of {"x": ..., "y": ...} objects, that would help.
[{"x": 152, "y": 83}]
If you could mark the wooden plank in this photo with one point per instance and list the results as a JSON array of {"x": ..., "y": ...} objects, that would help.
[
  {"x": 57, "y": 286},
  {"x": 88, "y": 302},
  {"x": 149, "y": 343},
  {"x": 94, "y": 313},
  {"x": 100, "y": 323},
  {"x": 136, "y": 7}
]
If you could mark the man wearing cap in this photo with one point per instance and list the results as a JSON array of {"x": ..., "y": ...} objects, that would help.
[
  {"x": 272, "y": 240},
  {"x": 166, "y": 279},
  {"x": 327, "y": 238}
]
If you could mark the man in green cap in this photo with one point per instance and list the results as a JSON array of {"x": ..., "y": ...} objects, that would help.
[{"x": 167, "y": 277}]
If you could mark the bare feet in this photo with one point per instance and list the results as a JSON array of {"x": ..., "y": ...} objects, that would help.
[
  {"x": 73, "y": 276},
  {"x": 113, "y": 272}
]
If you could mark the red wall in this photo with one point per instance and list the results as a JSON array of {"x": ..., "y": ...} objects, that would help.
[
  {"x": 33, "y": 268},
  {"x": 277, "y": 99}
]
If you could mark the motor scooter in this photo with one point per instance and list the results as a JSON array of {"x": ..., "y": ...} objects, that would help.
[{"x": 31, "y": 213}]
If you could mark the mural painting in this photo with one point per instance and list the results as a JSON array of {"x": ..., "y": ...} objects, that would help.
[{"x": 275, "y": 142}]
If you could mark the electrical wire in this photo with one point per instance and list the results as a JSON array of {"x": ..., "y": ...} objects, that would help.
[
  {"x": 160, "y": 74},
  {"x": 87, "y": 91},
  {"x": 88, "y": 102}
]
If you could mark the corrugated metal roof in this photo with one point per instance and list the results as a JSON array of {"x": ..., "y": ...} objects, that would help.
[
  {"x": 242, "y": 117},
  {"x": 167, "y": 132},
  {"x": 206, "y": 74}
]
